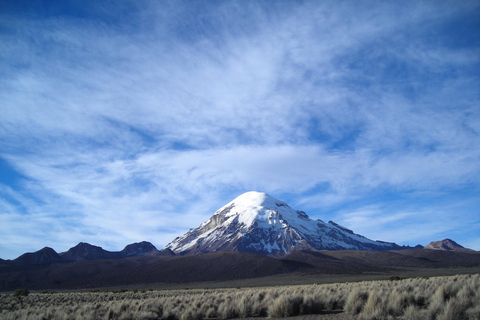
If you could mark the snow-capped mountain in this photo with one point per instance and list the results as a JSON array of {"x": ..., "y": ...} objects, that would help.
[{"x": 257, "y": 222}]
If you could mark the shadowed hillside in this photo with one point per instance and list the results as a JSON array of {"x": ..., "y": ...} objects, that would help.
[{"x": 226, "y": 266}]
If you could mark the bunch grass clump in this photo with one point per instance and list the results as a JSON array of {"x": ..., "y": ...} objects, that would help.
[{"x": 455, "y": 297}]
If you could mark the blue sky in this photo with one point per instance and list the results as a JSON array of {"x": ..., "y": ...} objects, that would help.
[{"x": 129, "y": 121}]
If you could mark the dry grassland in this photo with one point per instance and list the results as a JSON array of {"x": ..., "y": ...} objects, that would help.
[{"x": 440, "y": 298}]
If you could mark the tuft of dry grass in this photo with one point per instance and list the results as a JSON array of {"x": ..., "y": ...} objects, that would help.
[
  {"x": 413, "y": 313},
  {"x": 355, "y": 301},
  {"x": 373, "y": 309},
  {"x": 286, "y": 306}
]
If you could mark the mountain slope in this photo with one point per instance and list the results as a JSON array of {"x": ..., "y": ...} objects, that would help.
[
  {"x": 258, "y": 223},
  {"x": 142, "y": 270},
  {"x": 161, "y": 271}
]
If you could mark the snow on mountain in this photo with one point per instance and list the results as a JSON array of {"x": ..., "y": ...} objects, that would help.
[{"x": 257, "y": 222}]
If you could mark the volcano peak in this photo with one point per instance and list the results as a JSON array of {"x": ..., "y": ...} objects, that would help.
[{"x": 259, "y": 223}]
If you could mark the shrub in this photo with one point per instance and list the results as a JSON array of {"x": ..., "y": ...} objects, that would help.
[
  {"x": 355, "y": 301},
  {"x": 454, "y": 310},
  {"x": 474, "y": 312},
  {"x": 373, "y": 307},
  {"x": 413, "y": 313},
  {"x": 285, "y": 306},
  {"x": 191, "y": 315},
  {"x": 211, "y": 313},
  {"x": 228, "y": 309},
  {"x": 21, "y": 293},
  {"x": 312, "y": 305},
  {"x": 434, "y": 308},
  {"x": 245, "y": 307},
  {"x": 397, "y": 302},
  {"x": 121, "y": 291}
]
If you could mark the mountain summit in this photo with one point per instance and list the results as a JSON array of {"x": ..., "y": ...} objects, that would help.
[
  {"x": 448, "y": 245},
  {"x": 257, "y": 222}
]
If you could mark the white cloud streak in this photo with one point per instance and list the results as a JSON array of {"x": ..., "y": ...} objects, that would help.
[{"x": 128, "y": 126}]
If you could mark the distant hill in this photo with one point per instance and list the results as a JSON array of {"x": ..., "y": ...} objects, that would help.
[
  {"x": 137, "y": 249},
  {"x": 85, "y": 251},
  {"x": 43, "y": 256},
  {"x": 448, "y": 245}
]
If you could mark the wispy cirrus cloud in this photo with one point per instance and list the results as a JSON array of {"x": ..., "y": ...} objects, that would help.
[
  {"x": 419, "y": 226},
  {"x": 129, "y": 119}
]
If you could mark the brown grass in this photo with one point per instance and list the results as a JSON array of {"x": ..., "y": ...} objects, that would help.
[{"x": 439, "y": 298}]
